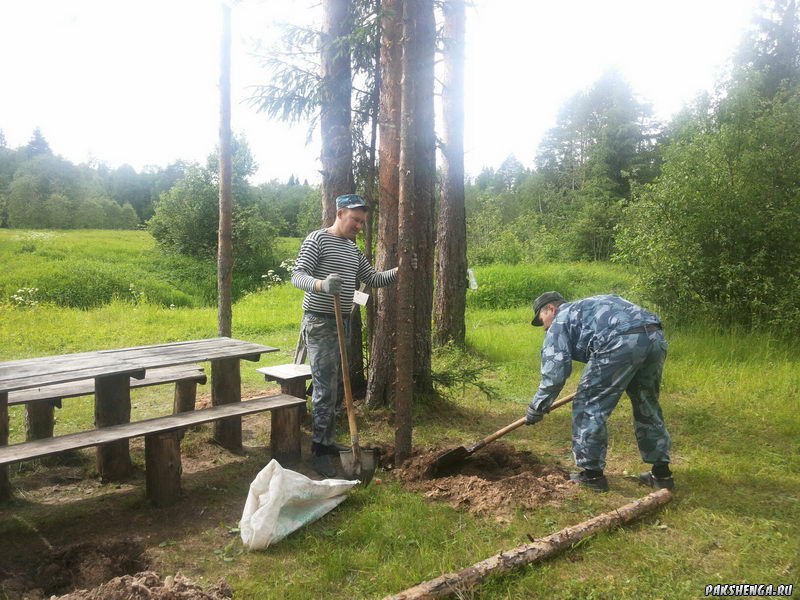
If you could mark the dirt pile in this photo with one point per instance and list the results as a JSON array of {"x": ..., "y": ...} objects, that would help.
[
  {"x": 78, "y": 566},
  {"x": 495, "y": 480},
  {"x": 148, "y": 585}
]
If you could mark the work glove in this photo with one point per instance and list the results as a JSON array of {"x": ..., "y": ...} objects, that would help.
[
  {"x": 533, "y": 416},
  {"x": 332, "y": 285}
]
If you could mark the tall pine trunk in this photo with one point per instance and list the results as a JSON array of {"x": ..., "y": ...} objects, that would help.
[
  {"x": 337, "y": 140},
  {"x": 451, "y": 239},
  {"x": 383, "y": 343},
  {"x": 337, "y": 143},
  {"x": 404, "y": 392},
  {"x": 372, "y": 168},
  {"x": 424, "y": 165},
  {"x": 225, "y": 239}
]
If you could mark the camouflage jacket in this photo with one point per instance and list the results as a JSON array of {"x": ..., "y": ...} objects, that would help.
[{"x": 578, "y": 330}]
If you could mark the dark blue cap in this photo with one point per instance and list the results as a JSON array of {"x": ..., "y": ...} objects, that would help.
[
  {"x": 541, "y": 302},
  {"x": 351, "y": 201}
]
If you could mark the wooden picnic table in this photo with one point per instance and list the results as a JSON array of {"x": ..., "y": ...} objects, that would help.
[{"x": 112, "y": 371}]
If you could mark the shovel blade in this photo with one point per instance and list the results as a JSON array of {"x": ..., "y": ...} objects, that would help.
[
  {"x": 448, "y": 461},
  {"x": 362, "y": 470}
]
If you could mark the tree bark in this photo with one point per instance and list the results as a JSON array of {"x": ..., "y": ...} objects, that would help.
[
  {"x": 337, "y": 140},
  {"x": 369, "y": 187},
  {"x": 404, "y": 392},
  {"x": 225, "y": 240},
  {"x": 451, "y": 240},
  {"x": 382, "y": 361},
  {"x": 424, "y": 166},
  {"x": 458, "y": 583},
  {"x": 355, "y": 353}
]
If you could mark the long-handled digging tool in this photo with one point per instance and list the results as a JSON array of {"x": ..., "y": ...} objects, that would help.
[
  {"x": 452, "y": 458},
  {"x": 357, "y": 463}
]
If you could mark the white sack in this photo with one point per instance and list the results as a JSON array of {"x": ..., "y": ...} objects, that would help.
[{"x": 281, "y": 501}]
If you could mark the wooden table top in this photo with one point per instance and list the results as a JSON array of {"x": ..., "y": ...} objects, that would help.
[{"x": 48, "y": 370}]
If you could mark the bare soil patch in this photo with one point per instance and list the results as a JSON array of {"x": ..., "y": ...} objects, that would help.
[
  {"x": 81, "y": 565},
  {"x": 68, "y": 533},
  {"x": 496, "y": 480},
  {"x": 148, "y": 585}
]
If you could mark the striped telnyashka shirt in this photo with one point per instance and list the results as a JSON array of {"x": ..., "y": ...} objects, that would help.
[{"x": 323, "y": 253}]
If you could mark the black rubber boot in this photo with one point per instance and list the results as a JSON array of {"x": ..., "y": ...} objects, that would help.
[
  {"x": 323, "y": 464},
  {"x": 332, "y": 450},
  {"x": 322, "y": 461},
  {"x": 659, "y": 483},
  {"x": 597, "y": 483}
]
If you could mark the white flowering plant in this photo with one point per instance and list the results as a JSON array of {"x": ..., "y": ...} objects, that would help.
[{"x": 25, "y": 297}]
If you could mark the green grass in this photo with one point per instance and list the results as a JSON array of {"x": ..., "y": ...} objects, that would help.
[
  {"x": 729, "y": 398},
  {"x": 508, "y": 286},
  {"x": 271, "y": 318},
  {"x": 88, "y": 268}
]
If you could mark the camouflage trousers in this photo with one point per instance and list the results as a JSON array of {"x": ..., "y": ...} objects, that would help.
[
  {"x": 631, "y": 363},
  {"x": 322, "y": 342}
]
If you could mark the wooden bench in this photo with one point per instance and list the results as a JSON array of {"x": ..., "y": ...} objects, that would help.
[
  {"x": 292, "y": 378},
  {"x": 162, "y": 441},
  {"x": 112, "y": 371},
  {"x": 40, "y": 401}
]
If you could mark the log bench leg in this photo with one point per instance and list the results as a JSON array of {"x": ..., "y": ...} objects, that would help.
[
  {"x": 185, "y": 396},
  {"x": 39, "y": 419},
  {"x": 112, "y": 406},
  {"x": 226, "y": 388},
  {"x": 185, "y": 400},
  {"x": 162, "y": 455},
  {"x": 284, "y": 441},
  {"x": 5, "y": 482}
]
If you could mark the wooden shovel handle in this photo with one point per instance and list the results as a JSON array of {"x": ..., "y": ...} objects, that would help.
[
  {"x": 348, "y": 392},
  {"x": 518, "y": 423}
]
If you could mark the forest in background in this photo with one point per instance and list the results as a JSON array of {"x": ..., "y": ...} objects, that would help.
[{"x": 704, "y": 207}]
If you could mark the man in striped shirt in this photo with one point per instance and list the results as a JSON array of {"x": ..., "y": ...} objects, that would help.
[{"x": 330, "y": 263}]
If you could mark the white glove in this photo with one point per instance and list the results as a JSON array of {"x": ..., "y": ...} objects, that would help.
[{"x": 332, "y": 284}]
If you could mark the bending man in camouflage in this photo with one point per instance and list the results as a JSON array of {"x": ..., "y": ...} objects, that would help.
[{"x": 624, "y": 350}]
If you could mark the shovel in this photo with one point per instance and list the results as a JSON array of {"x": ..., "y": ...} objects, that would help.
[
  {"x": 450, "y": 459},
  {"x": 357, "y": 463}
]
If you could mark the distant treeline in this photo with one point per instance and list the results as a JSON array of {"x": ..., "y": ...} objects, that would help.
[
  {"x": 178, "y": 204},
  {"x": 705, "y": 208},
  {"x": 41, "y": 190}
]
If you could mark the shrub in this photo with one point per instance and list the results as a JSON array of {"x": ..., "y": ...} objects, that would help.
[{"x": 718, "y": 230}]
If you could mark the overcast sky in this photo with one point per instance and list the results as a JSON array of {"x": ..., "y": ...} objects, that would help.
[{"x": 135, "y": 82}]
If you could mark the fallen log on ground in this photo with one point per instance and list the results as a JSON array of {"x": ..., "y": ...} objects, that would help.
[{"x": 453, "y": 583}]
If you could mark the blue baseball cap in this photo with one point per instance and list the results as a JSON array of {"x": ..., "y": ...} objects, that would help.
[
  {"x": 541, "y": 302},
  {"x": 351, "y": 201}
]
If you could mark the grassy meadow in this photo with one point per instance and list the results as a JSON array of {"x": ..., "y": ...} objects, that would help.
[{"x": 729, "y": 398}]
